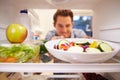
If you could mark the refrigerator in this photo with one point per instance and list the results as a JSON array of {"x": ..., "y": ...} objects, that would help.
[{"x": 105, "y": 25}]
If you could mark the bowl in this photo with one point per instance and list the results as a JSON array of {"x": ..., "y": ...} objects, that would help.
[
  {"x": 18, "y": 53},
  {"x": 79, "y": 57}
]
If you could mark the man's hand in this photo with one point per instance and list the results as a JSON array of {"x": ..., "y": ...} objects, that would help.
[{"x": 87, "y": 37}]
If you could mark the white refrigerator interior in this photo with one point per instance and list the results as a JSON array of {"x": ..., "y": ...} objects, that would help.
[{"x": 105, "y": 25}]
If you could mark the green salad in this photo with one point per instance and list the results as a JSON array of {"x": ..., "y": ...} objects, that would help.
[{"x": 18, "y": 52}]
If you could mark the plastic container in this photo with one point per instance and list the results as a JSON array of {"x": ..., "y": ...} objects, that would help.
[{"x": 25, "y": 20}]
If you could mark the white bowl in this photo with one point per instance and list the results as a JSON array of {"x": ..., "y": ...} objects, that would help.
[{"x": 81, "y": 57}]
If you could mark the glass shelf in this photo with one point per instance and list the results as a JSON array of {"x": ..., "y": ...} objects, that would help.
[{"x": 112, "y": 65}]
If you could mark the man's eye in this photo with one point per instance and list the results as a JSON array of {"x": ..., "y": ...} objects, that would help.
[
  {"x": 67, "y": 25},
  {"x": 60, "y": 26}
]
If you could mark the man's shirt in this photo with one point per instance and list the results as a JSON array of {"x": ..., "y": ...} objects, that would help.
[{"x": 75, "y": 33}]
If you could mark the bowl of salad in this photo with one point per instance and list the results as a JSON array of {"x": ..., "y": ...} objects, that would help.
[
  {"x": 18, "y": 53},
  {"x": 75, "y": 50}
]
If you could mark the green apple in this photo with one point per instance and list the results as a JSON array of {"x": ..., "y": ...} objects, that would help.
[{"x": 16, "y": 33}]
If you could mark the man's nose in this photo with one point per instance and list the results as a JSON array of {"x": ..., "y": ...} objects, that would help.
[{"x": 64, "y": 29}]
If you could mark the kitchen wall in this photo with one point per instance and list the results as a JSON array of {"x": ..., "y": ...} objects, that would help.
[{"x": 106, "y": 20}]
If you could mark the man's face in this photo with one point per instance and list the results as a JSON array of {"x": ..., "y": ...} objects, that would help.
[{"x": 64, "y": 26}]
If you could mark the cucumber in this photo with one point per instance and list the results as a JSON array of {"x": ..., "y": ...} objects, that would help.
[
  {"x": 98, "y": 42},
  {"x": 104, "y": 47},
  {"x": 43, "y": 49},
  {"x": 93, "y": 50},
  {"x": 62, "y": 42}
]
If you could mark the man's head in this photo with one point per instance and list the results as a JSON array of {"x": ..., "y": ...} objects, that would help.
[{"x": 63, "y": 22}]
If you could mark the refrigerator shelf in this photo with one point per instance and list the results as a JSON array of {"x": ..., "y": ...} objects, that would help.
[{"x": 61, "y": 67}]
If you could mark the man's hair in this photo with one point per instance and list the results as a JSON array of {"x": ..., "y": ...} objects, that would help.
[{"x": 64, "y": 13}]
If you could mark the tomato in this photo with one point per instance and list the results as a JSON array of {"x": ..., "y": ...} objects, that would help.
[
  {"x": 61, "y": 46},
  {"x": 72, "y": 44},
  {"x": 65, "y": 48}
]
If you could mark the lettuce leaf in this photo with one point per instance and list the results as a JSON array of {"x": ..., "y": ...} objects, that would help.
[{"x": 23, "y": 52}]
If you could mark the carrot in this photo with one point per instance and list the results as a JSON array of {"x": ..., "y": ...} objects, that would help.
[
  {"x": 11, "y": 59},
  {"x": 2, "y": 59}
]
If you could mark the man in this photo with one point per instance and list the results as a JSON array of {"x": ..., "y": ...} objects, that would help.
[{"x": 63, "y": 23}]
